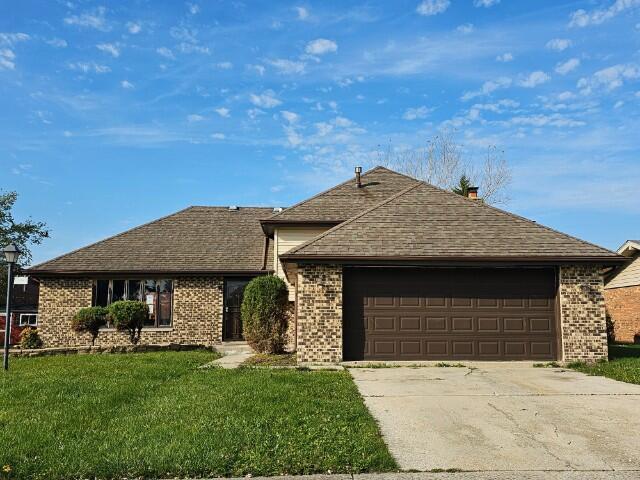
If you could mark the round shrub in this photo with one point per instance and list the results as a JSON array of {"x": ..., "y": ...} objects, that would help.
[
  {"x": 265, "y": 314},
  {"x": 90, "y": 320},
  {"x": 29, "y": 338},
  {"x": 129, "y": 316}
]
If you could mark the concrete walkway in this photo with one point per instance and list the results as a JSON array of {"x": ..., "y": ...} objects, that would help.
[
  {"x": 233, "y": 354},
  {"x": 504, "y": 417},
  {"x": 549, "y": 475}
]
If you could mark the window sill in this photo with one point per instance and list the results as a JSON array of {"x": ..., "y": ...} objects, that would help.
[{"x": 144, "y": 329}]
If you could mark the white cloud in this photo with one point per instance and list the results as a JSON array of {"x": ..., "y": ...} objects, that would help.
[
  {"x": 302, "y": 13},
  {"x": 13, "y": 38},
  {"x": 259, "y": 69},
  {"x": 134, "y": 27},
  {"x": 323, "y": 128},
  {"x": 224, "y": 65},
  {"x": 166, "y": 53},
  {"x": 287, "y": 67},
  {"x": 342, "y": 122},
  {"x": 541, "y": 120},
  {"x": 432, "y": 7},
  {"x": 194, "y": 117},
  {"x": 638, "y": 94},
  {"x": 534, "y": 79},
  {"x": 609, "y": 78},
  {"x": 266, "y": 99},
  {"x": 582, "y": 18},
  {"x": 67, "y": 133},
  {"x": 57, "y": 42},
  {"x": 565, "y": 67},
  {"x": 416, "y": 113},
  {"x": 91, "y": 19},
  {"x": 618, "y": 104},
  {"x": 333, "y": 105},
  {"x": 126, "y": 84},
  {"x": 564, "y": 96},
  {"x": 488, "y": 88},
  {"x": 6, "y": 59},
  {"x": 293, "y": 137},
  {"x": 558, "y": 44},
  {"x": 485, "y": 3},
  {"x": 252, "y": 113},
  {"x": 109, "y": 48},
  {"x": 218, "y": 136},
  {"x": 87, "y": 67},
  {"x": 290, "y": 117},
  {"x": 505, "y": 57},
  {"x": 497, "y": 107},
  {"x": 320, "y": 46},
  {"x": 223, "y": 112},
  {"x": 465, "y": 28},
  {"x": 194, "y": 8}
]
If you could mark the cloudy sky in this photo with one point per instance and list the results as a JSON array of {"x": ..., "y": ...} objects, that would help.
[{"x": 113, "y": 114}]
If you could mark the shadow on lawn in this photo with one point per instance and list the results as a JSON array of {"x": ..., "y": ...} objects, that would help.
[{"x": 619, "y": 350}]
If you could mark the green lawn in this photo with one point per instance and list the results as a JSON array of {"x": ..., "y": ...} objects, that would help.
[
  {"x": 623, "y": 364},
  {"x": 158, "y": 415}
]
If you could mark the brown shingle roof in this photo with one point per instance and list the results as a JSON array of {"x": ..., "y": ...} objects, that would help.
[
  {"x": 345, "y": 200},
  {"x": 425, "y": 222},
  {"x": 197, "y": 239}
]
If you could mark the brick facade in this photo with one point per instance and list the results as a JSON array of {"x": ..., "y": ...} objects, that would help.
[
  {"x": 197, "y": 314},
  {"x": 583, "y": 318},
  {"x": 623, "y": 306},
  {"x": 319, "y": 309}
]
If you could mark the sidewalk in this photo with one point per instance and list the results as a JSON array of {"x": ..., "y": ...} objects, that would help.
[{"x": 489, "y": 475}]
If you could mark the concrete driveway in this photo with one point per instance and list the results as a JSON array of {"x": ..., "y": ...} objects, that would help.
[{"x": 504, "y": 416}]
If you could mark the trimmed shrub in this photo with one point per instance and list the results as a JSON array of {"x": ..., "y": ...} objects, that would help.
[
  {"x": 129, "y": 316},
  {"x": 265, "y": 314},
  {"x": 29, "y": 338},
  {"x": 90, "y": 320}
]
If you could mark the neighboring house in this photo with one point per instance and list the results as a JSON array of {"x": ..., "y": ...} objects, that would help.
[
  {"x": 24, "y": 309},
  {"x": 383, "y": 267},
  {"x": 622, "y": 295}
]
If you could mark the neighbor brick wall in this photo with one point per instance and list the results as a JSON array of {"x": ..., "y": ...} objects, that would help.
[
  {"x": 584, "y": 330},
  {"x": 623, "y": 306},
  {"x": 197, "y": 314},
  {"x": 319, "y": 307}
]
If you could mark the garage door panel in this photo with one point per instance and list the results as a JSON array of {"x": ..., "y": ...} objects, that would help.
[{"x": 414, "y": 314}]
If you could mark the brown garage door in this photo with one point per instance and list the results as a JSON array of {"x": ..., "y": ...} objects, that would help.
[{"x": 429, "y": 314}]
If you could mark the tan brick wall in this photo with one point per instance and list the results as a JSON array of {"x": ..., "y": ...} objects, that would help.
[
  {"x": 623, "y": 306},
  {"x": 584, "y": 329},
  {"x": 197, "y": 314},
  {"x": 319, "y": 307}
]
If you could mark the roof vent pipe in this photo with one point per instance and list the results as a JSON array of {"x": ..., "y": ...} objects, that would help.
[
  {"x": 358, "y": 181},
  {"x": 472, "y": 193}
]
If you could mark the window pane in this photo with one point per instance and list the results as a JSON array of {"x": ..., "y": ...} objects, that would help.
[
  {"x": 118, "y": 291},
  {"x": 150, "y": 297},
  {"x": 165, "y": 289},
  {"x": 101, "y": 298},
  {"x": 134, "y": 290}
]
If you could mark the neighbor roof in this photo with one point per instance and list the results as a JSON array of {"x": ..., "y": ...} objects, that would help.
[
  {"x": 423, "y": 222},
  {"x": 345, "y": 200},
  {"x": 197, "y": 239},
  {"x": 629, "y": 247}
]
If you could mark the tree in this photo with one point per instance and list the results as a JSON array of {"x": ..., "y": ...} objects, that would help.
[
  {"x": 129, "y": 316},
  {"x": 90, "y": 320},
  {"x": 442, "y": 163},
  {"x": 23, "y": 234},
  {"x": 462, "y": 188}
]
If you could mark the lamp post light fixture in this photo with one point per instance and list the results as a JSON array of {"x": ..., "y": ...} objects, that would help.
[{"x": 11, "y": 254}]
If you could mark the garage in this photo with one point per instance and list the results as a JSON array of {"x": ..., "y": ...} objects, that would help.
[{"x": 450, "y": 314}]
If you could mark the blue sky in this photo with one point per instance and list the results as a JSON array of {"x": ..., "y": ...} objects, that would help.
[{"x": 116, "y": 113}]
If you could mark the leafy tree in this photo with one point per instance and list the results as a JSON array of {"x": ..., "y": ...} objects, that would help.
[
  {"x": 90, "y": 320},
  {"x": 463, "y": 186},
  {"x": 129, "y": 316},
  {"x": 265, "y": 314},
  {"x": 23, "y": 234}
]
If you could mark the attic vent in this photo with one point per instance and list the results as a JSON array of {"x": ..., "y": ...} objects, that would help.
[
  {"x": 277, "y": 209},
  {"x": 234, "y": 207}
]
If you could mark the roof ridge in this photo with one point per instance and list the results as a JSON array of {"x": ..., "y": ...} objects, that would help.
[
  {"x": 354, "y": 218},
  {"x": 40, "y": 265},
  {"x": 519, "y": 217},
  {"x": 324, "y": 192}
]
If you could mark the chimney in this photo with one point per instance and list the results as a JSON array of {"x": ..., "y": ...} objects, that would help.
[
  {"x": 358, "y": 181},
  {"x": 472, "y": 193}
]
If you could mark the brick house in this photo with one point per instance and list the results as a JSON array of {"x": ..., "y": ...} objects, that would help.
[
  {"x": 24, "y": 303},
  {"x": 622, "y": 295},
  {"x": 380, "y": 267}
]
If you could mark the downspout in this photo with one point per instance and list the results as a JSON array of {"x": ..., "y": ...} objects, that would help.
[{"x": 265, "y": 252}]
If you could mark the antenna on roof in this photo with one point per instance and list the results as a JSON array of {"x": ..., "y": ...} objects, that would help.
[{"x": 358, "y": 181}]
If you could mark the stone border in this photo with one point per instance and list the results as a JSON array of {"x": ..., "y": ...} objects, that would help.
[{"x": 89, "y": 349}]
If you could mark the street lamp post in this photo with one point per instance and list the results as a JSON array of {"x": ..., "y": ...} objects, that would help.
[{"x": 11, "y": 254}]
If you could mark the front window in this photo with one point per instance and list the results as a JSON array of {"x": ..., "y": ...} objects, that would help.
[
  {"x": 28, "y": 320},
  {"x": 157, "y": 294}
]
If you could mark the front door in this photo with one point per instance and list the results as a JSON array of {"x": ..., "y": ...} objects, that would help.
[{"x": 233, "y": 291}]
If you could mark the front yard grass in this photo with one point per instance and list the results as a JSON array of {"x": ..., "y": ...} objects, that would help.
[
  {"x": 623, "y": 364},
  {"x": 158, "y": 415}
]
